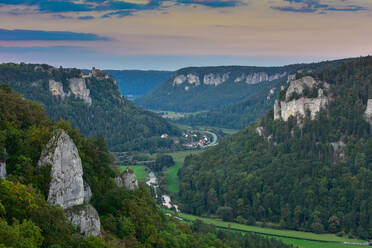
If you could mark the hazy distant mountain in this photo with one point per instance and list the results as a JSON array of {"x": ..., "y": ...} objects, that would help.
[{"x": 135, "y": 83}]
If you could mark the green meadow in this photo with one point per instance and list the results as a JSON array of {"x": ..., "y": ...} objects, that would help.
[
  {"x": 296, "y": 238},
  {"x": 139, "y": 171}
]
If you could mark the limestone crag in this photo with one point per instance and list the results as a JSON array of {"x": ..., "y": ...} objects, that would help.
[
  {"x": 193, "y": 79},
  {"x": 85, "y": 218},
  {"x": 87, "y": 193},
  {"x": 259, "y": 77},
  {"x": 127, "y": 179},
  {"x": 338, "y": 151},
  {"x": 368, "y": 112},
  {"x": 180, "y": 79},
  {"x": 215, "y": 79},
  {"x": 56, "y": 88},
  {"x": 300, "y": 105},
  {"x": 79, "y": 88},
  {"x": 67, "y": 187},
  {"x": 3, "y": 173}
]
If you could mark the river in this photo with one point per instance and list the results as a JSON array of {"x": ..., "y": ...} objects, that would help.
[{"x": 166, "y": 199}]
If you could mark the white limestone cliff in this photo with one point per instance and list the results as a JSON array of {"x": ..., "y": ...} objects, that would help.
[
  {"x": 180, "y": 79},
  {"x": 3, "y": 173},
  {"x": 298, "y": 107},
  {"x": 215, "y": 79},
  {"x": 79, "y": 88},
  {"x": 85, "y": 218},
  {"x": 338, "y": 154},
  {"x": 193, "y": 79},
  {"x": 56, "y": 88},
  {"x": 258, "y": 77},
  {"x": 127, "y": 179},
  {"x": 67, "y": 187},
  {"x": 368, "y": 112}
]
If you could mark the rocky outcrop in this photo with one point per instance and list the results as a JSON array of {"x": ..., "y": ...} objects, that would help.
[
  {"x": 271, "y": 93},
  {"x": 180, "y": 79},
  {"x": 85, "y": 218},
  {"x": 368, "y": 112},
  {"x": 3, "y": 173},
  {"x": 215, "y": 79},
  {"x": 67, "y": 187},
  {"x": 87, "y": 193},
  {"x": 193, "y": 79},
  {"x": 258, "y": 77},
  {"x": 338, "y": 154},
  {"x": 127, "y": 179},
  {"x": 56, "y": 88},
  {"x": 297, "y": 104},
  {"x": 79, "y": 88}
]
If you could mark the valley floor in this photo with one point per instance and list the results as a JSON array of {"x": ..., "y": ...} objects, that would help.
[{"x": 295, "y": 238}]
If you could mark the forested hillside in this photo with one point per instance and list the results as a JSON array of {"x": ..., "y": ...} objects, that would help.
[
  {"x": 138, "y": 83},
  {"x": 311, "y": 172},
  {"x": 91, "y": 103},
  {"x": 130, "y": 218},
  {"x": 239, "y": 115},
  {"x": 205, "y": 88}
]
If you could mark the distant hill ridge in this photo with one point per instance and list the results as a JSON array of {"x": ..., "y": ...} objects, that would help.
[
  {"x": 91, "y": 102},
  {"x": 205, "y": 88}
]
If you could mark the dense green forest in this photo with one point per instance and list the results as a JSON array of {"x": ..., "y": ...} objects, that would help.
[
  {"x": 138, "y": 83},
  {"x": 239, "y": 115},
  {"x": 188, "y": 97},
  {"x": 292, "y": 176},
  {"x": 123, "y": 125},
  {"x": 130, "y": 218}
]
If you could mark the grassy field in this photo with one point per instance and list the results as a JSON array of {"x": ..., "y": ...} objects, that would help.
[
  {"x": 173, "y": 181},
  {"x": 300, "y": 239},
  {"x": 179, "y": 158},
  {"x": 139, "y": 170}
]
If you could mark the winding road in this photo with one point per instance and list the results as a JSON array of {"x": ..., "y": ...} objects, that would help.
[{"x": 214, "y": 142}]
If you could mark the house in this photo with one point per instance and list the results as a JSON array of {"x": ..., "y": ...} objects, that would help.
[{"x": 164, "y": 136}]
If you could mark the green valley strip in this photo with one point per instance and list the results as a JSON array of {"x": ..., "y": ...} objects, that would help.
[{"x": 296, "y": 238}]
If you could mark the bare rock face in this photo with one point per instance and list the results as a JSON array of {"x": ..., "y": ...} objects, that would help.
[
  {"x": 368, "y": 112},
  {"x": 66, "y": 186},
  {"x": 127, "y": 179},
  {"x": 259, "y": 77},
  {"x": 87, "y": 193},
  {"x": 56, "y": 88},
  {"x": 3, "y": 173},
  {"x": 180, "y": 79},
  {"x": 193, "y": 79},
  {"x": 215, "y": 79},
  {"x": 80, "y": 90},
  {"x": 338, "y": 151},
  {"x": 85, "y": 218},
  {"x": 298, "y": 107}
]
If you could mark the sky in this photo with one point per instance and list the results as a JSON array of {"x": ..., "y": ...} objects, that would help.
[{"x": 171, "y": 34}]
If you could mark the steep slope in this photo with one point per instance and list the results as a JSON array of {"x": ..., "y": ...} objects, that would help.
[
  {"x": 68, "y": 162},
  {"x": 205, "y": 88},
  {"x": 136, "y": 83},
  {"x": 306, "y": 165},
  {"x": 91, "y": 103}
]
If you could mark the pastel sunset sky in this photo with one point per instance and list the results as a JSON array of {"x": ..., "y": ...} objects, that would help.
[{"x": 162, "y": 34}]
